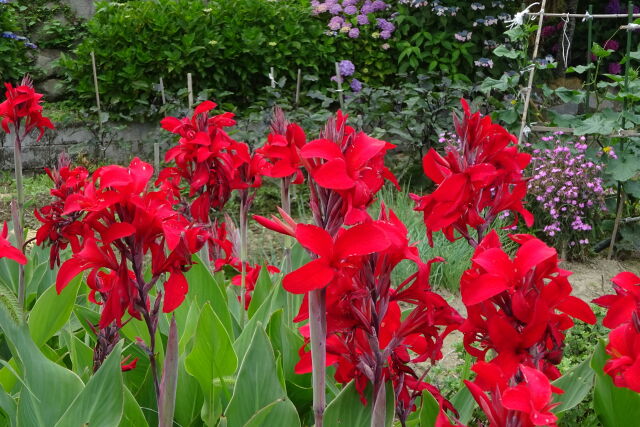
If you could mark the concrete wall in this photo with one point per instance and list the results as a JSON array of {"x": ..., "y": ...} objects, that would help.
[{"x": 119, "y": 146}]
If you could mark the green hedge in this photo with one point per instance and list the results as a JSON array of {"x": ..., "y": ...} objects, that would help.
[
  {"x": 13, "y": 60},
  {"x": 228, "y": 46}
]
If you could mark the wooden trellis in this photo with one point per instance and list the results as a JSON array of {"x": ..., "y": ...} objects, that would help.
[{"x": 588, "y": 16}]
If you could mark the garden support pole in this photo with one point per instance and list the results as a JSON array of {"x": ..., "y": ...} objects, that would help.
[
  {"x": 298, "y": 84},
  {"x": 339, "y": 82},
  {"x": 164, "y": 99},
  {"x": 96, "y": 87},
  {"x": 190, "y": 90},
  {"x": 523, "y": 122},
  {"x": 589, "y": 61},
  {"x": 616, "y": 224}
]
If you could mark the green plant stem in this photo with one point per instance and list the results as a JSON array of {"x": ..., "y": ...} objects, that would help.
[
  {"x": 19, "y": 217},
  {"x": 318, "y": 335},
  {"x": 243, "y": 251}
]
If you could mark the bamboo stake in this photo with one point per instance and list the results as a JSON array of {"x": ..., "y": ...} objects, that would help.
[
  {"x": 589, "y": 47},
  {"x": 298, "y": 84},
  {"x": 95, "y": 84},
  {"x": 272, "y": 77},
  {"x": 583, "y": 15},
  {"x": 156, "y": 157},
  {"x": 190, "y": 90},
  {"x": 616, "y": 224},
  {"x": 339, "y": 81},
  {"x": 523, "y": 122},
  {"x": 164, "y": 99}
]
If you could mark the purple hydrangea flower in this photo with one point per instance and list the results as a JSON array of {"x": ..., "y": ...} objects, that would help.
[
  {"x": 354, "y": 33},
  {"x": 385, "y": 35},
  {"x": 335, "y": 9},
  {"x": 385, "y": 25},
  {"x": 335, "y": 23},
  {"x": 350, "y": 10},
  {"x": 356, "y": 85},
  {"x": 362, "y": 19},
  {"x": 346, "y": 68}
]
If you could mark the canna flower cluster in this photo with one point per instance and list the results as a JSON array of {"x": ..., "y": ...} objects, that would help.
[
  {"x": 479, "y": 177},
  {"x": 518, "y": 308},
  {"x": 23, "y": 103},
  {"x": 567, "y": 191},
  {"x": 623, "y": 318},
  {"x": 112, "y": 221},
  {"x": 353, "y": 257},
  {"x": 209, "y": 167}
]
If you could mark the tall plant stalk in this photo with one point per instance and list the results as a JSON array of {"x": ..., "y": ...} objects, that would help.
[
  {"x": 18, "y": 218},
  {"x": 245, "y": 204},
  {"x": 318, "y": 336}
]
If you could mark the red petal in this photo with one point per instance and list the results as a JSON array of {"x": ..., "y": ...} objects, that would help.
[
  {"x": 532, "y": 253},
  {"x": 68, "y": 270},
  {"x": 361, "y": 239},
  {"x": 517, "y": 398},
  {"x": 482, "y": 288},
  {"x": 175, "y": 289},
  {"x": 117, "y": 231},
  {"x": 204, "y": 107},
  {"x": 315, "y": 239},
  {"x": 322, "y": 148},
  {"x": 577, "y": 308},
  {"x": 313, "y": 275},
  {"x": 333, "y": 175}
]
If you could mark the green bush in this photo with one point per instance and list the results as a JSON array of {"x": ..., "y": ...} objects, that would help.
[
  {"x": 13, "y": 58},
  {"x": 228, "y": 46}
]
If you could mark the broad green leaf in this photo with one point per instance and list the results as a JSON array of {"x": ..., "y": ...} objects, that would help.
[
  {"x": 261, "y": 292},
  {"x": 600, "y": 52},
  {"x": 347, "y": 408},
  {"x": 280, "y": 406},
  {"x": 504, "y": 51},
  {"x": 429, "y": 410},
  {"x": 286, "y": 342},
  {"x": 464, "y": 403},
  {"x": 52, "y": 311},
  {"x": 570, "y": 95},
  {"x": 598, "y": 123},
  {"x": 615, "y": 406},
  {"x": 101, "y": 402},
  {"x": 258, "y": 386},
  {"x": 49, "y": 388},
  {"x": 577, "y": 384},
  {"x": 211, "y": 359},
  {"x": 8, "y": 406},
  {"x": 81, "y": 357},
  {"x": 623, "y": 168},
  {"x": 203, "y": 288},
  {"x": 132, "y": 413},
  {"x": 580, "y": 69}
]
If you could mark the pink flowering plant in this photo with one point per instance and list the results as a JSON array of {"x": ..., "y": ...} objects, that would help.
[{"x": 567, "y": 192}]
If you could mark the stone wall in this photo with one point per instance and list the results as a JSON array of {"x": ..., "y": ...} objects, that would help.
[{"x": 84, "y": 145}]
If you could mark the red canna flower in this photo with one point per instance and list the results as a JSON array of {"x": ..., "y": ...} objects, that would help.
[
  {"x": 624, "y": 364},
  {"x": 532, "y": 397},
  {"x": 334, "y": 255},
  {"x": 476, "y": 181},
  {"x": 250, "y": 280},
  {"x": 519, "y": 307},
  {"x": 623, "y": 317},
  {"x": 625, "y": 304},
  {"x": 23, "y": 102},
  {"x": 7, "y": 250},
  {"x": 282, "y": 150}
]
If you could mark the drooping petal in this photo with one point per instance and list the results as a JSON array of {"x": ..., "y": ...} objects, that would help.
[{"x": 314, "y": 275}]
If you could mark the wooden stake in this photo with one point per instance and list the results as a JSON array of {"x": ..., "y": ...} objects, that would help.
[
  {"x": 339, "y": 81},
  {"x": 616, "y": 224},
  {"x": 156, "y": 157},
  {"x": 95, "y": 83},
  {"x": 272, "y": 77},
  {"x": 164, "y": 99},
  {"x": 190, "y": 90},
  {"x": 298, "y": 84},
  {"x": 527, "y": 96}
]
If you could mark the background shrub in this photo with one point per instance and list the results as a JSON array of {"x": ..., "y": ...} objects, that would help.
[
  {"x": 228, "y": 46},
  {"x": 13, "y": 58}
]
